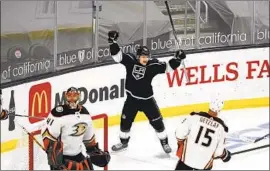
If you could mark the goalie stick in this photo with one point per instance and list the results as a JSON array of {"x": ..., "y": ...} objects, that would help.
[
  {"x": 26, "y": 116},
  {"x": 29, "y": 134},
  {"x": 176, "y": 39}
]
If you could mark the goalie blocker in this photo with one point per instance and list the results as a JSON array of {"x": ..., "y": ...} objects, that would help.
[{"x": 69, "y": 138}]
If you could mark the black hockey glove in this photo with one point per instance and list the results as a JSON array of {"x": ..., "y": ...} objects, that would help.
[
  {"x": 98, "y": 157},
  {"x": 112, "y": 36},
  {"x": 180, "y": 55},
  {"x": 227, "y": 156}
]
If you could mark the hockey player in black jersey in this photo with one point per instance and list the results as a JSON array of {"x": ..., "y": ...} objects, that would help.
[{"x": 141, "y": 70}]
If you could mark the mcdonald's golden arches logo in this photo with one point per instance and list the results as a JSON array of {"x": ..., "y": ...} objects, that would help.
[{"x": 39, "y": 101}]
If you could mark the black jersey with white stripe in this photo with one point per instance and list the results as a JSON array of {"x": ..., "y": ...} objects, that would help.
[{"x": 139, "y": 77}]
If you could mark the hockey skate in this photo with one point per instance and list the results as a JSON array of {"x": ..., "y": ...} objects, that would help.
[
  {"x": 166, "y": 147},
  {"x": 119, "y": 147}
]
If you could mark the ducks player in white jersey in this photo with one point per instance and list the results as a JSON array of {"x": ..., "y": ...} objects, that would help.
[
  {"x": 201, "y": 138},
  {"x": 69, "y": 138}
]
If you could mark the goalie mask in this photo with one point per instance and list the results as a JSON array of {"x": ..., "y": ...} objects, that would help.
[{"x": 73, "y": 97}]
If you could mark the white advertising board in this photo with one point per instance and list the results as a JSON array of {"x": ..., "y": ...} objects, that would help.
[{"x": 235, "y": 75}]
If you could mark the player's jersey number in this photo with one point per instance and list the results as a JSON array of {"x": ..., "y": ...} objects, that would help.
[
  {"x": 50, "y": 121},
  {"x": 207, "y": 138}
]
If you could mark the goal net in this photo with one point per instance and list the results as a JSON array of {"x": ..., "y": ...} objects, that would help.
[{"x": 37, "y": 159}]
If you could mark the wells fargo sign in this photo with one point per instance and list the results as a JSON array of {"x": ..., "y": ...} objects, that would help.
[{"x": 39, "y": 101}]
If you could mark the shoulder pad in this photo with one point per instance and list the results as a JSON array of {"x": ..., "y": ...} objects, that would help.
[
  {"x": 154, "y": 60},
  {"x": 84, "y": 110},
  {"x": 226, "y": 128},
  {"x": 204, "y": 114},
  {"x": 193, "y": 113},
  {"x": 132, "y": 55},
  {"x": 58, "y": 111},
  {"x": 197, "y": 113}
]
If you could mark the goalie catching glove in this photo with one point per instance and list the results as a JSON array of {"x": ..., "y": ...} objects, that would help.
[{"x": 98, "y": 157}]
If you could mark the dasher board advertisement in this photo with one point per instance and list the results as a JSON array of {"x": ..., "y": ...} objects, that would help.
[{"x": 241, "y": 77}]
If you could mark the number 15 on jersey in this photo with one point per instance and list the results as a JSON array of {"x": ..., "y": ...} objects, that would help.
[{"x": 205, "y": 139}]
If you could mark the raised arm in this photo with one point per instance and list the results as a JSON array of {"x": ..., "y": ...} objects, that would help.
[
  {"x": 117, "y": 54},
  {"x": 172, "y": 64}
]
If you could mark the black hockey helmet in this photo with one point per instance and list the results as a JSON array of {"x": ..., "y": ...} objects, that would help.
[
  {"x": 143, "y": 50},
  {"x": 73, "y": 97}
]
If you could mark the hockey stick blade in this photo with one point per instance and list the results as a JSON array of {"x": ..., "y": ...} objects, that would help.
[
  {"x": 248, "y": 139},
  {"x": 261, "y": 138}
]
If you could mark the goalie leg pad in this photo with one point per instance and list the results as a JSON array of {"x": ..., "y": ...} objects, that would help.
[
  {"x": 83, "y": 165},
  {"x": 54, "y": 151}
]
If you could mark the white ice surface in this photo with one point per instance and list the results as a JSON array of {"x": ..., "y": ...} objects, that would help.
[{"x": 145, "y": 152}]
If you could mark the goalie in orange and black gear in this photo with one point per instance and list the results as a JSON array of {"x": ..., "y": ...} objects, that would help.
[
  {"x": 69, "y": 138},
  {"x": 58, "y": 161},
  {"x": 54, "y": 150}
]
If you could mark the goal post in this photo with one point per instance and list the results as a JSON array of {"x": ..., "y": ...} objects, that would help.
[{"x": 101, "y": 118}]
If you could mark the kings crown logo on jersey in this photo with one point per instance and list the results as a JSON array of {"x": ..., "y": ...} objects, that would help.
[{"x": 138, "y": 72}]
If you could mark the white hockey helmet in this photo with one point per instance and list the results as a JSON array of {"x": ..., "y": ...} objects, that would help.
[{"x": 216, "y": 105}]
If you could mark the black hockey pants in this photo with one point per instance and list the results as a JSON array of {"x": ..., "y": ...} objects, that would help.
[{"x": 150, "y": 109}]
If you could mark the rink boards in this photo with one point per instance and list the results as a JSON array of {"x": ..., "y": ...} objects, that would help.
[{"x": 240, "y": 77}]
